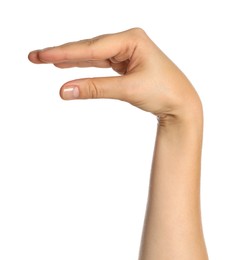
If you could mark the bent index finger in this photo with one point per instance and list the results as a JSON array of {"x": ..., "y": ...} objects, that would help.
[{"x": 99, "y": 48}]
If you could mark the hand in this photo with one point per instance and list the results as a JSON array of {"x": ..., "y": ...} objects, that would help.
[{"x": 149, "y": 80}]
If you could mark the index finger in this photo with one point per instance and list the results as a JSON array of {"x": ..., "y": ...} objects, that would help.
[{"x": 119, "y": 46}]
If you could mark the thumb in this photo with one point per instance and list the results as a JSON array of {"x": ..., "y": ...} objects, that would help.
[{"x": 106, "y": 87}]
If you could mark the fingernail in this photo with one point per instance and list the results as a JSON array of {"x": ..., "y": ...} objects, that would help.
[{"x": 70, "y": 92}]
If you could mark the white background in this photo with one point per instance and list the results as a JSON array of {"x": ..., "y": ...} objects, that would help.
[{"x": 74, "y": 175}]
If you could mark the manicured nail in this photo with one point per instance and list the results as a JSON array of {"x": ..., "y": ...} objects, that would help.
[{"x": 70, "y": 92}]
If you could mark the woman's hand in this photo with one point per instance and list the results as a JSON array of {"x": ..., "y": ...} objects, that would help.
[{"x": 149, "y": 80}]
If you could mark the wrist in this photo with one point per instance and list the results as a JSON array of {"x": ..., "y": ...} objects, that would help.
[
  {"x": 188, "y": 117},
  {"x": 184, "y": 128}
]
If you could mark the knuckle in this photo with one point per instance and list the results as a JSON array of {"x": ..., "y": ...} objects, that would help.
[
  {"x": 138, "y": 37},
  {"x": 91, "y": 45},
  {"x": 90, "y": 42},
  {"x": 92, "y": 90},
  {"x": 138, "y": 32}
]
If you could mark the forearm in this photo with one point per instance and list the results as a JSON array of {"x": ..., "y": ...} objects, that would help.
[{"x": 173, "y": 227}]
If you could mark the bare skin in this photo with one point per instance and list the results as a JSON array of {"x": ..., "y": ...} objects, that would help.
[{"x": 150, "y": 81}]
